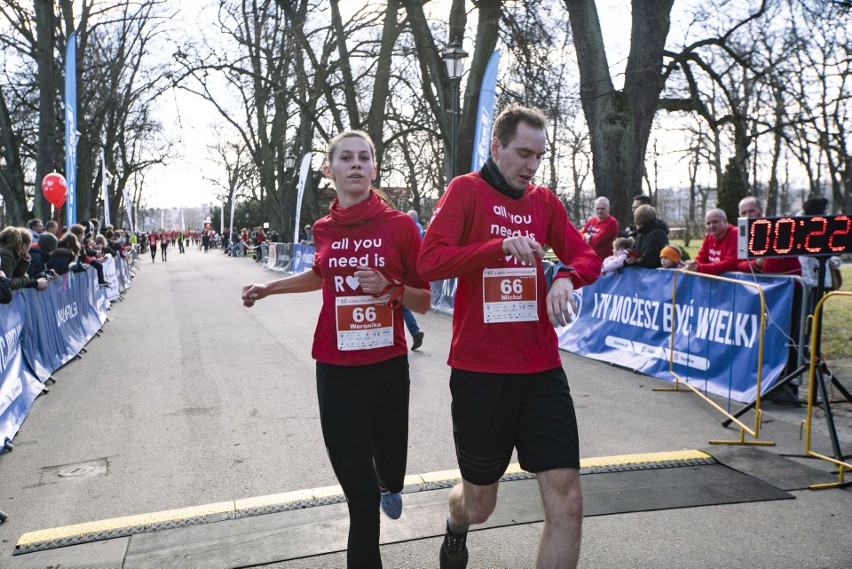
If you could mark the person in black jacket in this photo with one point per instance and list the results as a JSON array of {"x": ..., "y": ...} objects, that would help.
[
  {"x": 40, "y": 253},
  {"x": 15, "y": 245},
  {"x": 64, "y": 258},
  {"x": 651, "y": 236}
]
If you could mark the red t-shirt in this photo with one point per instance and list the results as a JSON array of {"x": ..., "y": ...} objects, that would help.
[
  {"x": 500, "y": 320},
  {"x": 153, "y": 238},
  {"x": 718, "y": 256},
  {"x": 602, "y": 233},
  {"x": 350, "y": 318}
]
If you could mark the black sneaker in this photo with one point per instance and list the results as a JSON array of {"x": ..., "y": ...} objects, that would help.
[
  {"x": 418, "y": 340},
  {"x": 454, "y": 551}
]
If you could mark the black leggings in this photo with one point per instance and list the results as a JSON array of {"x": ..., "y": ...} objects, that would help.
[{"x": 364, "y": 417}]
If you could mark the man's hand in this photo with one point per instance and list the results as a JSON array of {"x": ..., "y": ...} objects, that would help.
[
  {"x": 252, "y": 293},
  {"x": 523, "y": 249},
  {"x": 561, "y": 295},
  {"x": 41, "y": 284}
]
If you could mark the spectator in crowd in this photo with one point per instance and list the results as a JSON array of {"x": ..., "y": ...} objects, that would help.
[
  {"x": 180, "y": 240},
  {"x": 651, "y": 236},
  {"x": 718, "y": 253},
  {"x": 309, "y": 236},
  {"x": 52, "y": 227},
  {"x": 65, "y": 258},
  {"x": 36, "y": 227},
  {"x": 816, "y": 205},
  {"x": 410, "y": 321},
  {"x": 40, "y": 253},
  {"x": 750, "y": 206},
  {"x": 638, "y": 200},
  {"x": 15, "y": 245},
  {"x": 89, "y": 255},
  {"x": 621, "y": 248},
  {"x": 670, "y": 258},
  {"x": 601, "y": 229}
]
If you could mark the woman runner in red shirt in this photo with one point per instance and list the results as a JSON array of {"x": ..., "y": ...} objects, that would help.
[{"x": 365, "y": 265}]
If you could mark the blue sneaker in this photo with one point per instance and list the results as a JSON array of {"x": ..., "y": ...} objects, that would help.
[{"x": 391, "y": 503}]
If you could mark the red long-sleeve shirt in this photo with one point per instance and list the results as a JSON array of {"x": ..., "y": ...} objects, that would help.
[
  {"x": 349, "y": 317},
  {"x": 465, "y": 239},
  {"x": 718, "y": 256},
  {"x": 602, "y": 234}
]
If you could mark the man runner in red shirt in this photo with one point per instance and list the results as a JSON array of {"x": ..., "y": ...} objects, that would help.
[{"x": 509, "y": 389}]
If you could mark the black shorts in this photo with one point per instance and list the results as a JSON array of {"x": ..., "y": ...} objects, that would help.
[{"x": 494, "y": 413}]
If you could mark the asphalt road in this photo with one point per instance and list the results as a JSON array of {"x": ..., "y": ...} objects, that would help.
[{"x": 188, "y": 398}]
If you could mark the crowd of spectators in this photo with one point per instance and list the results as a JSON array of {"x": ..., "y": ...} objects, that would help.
[{"x": 33, "y": 255}]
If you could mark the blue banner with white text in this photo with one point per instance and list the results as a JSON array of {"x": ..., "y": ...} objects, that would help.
[
  {"x": 626, "y": 318},
  {"x": 485, "y": 113},
  {"x": 18, "y": 386},
  {"x": 302, "y": 258},
  {"x": 61, "y": 320}
]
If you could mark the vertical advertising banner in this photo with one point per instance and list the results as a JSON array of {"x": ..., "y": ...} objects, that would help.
[
  {"x": 485, "y": 113},
  {"x": 71, "y": 129},
  {"x": 303, "y": 176},
  {"x": 127, "y": 209},
  {"x": 105, "y": 184}
]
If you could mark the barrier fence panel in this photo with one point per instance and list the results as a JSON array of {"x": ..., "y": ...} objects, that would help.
[
  {"x": 113, "y": 291},
  {"x": 60, "y": 321},
  {"x": 817, "y": 380},
  {"x": 18, "y": 385},
  {"x": 625, "y": 318},
  {"x": 742, "y": 289}
]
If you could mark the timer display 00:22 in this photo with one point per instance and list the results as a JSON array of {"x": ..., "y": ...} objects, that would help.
[{"x": 793, "y": 236}]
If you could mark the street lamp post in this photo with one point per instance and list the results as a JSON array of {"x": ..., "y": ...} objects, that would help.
[{"x": 454, "y": 57}]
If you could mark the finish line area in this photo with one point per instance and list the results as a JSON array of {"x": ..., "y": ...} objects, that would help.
[
  {"x": 188, "y": 437},
  {"x": 314, "y": 522}
]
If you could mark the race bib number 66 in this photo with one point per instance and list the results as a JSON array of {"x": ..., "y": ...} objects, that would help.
[
  {"x": 363, "y": 323},
  {"x": 510, "y": 295}
]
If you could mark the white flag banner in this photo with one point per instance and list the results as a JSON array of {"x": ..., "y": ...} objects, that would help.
[
  {"x": 303, "y": 176},
  {"x": 127, "y": 208},
  {"x": 231, "y": 224},
  {"x": 105, "y": 184}
]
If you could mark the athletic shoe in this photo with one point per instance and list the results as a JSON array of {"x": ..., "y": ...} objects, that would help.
[
  {"x": 454, "y": 551},
  {"x": 391, "y": 503},
  {"x": 418, "y": 340}
]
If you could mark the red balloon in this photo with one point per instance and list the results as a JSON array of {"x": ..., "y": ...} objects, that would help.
[{"x": 55, "y": 189}]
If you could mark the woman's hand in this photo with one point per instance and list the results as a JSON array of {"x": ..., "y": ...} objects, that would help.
[
  {"x": 371, "y": 282},
  {"x": 252, "y": 293}
]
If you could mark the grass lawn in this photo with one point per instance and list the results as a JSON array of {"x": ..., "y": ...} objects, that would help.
[{"x": 837, "y": 321}]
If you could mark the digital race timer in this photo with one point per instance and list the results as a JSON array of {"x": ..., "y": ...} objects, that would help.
[{"x": 793, "y": 236}]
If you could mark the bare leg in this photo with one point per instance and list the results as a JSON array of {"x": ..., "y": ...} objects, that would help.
[
  {"x": 563, "y": 518},
  {"x": 472, "y": 504}
]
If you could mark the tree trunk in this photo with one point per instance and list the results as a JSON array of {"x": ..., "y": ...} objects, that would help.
[
  {"x": 46, "y": 156},
  {"x": 620, "y": 121}
]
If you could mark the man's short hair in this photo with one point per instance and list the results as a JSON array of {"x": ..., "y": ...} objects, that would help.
[
  {"x": 602, "y": 200},
  {"x": 33, "y": 222},
  {"x": 642, "y": 199},
  {"x": 506, "y": 124},
  {"x": 716, "y": 211},
  {"x": 644, "y": 215},
  {"x": 754, "y": 199}
]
